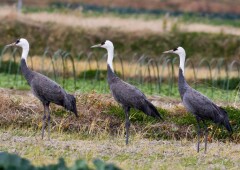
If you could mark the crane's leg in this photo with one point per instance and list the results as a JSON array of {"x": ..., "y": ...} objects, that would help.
[
  {"x": 48, "y": 119},
  {"x": 206, "y": 136},
  {"x": 44, "y": 120},
  {"x": 198, "y": 133},
  {"x": 127, "y": 122}
]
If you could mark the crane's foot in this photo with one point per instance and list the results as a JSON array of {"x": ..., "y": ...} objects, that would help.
[
  {"x": 43, "y": 125},
  {"x": 48, "y": 119},
  {"x": 42, "y": 135},
  {"x": 127, "y": 125},
  {"x": 198, "y": 143},
  {"x": 126, "y": 141},
  {"x": 205, "y": 149},
  {"x": 206, "y": 137},
  {"x": 198, "y": 148}
]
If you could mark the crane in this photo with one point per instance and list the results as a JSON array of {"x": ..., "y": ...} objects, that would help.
[
  {"x": 198, "y": 104},
  {"x": 127, "y": 95},
  {"x": 45, "y": 89}
]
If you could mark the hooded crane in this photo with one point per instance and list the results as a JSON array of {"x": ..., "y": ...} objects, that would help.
[
  {"x": 198, "y": 104},
  {"x": 43, "y": 88},
  {"x": 125, "y": 94}
]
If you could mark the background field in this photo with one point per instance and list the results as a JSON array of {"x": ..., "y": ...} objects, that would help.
[
  {"x": 60, "y": 37},
  {"x": 222, "y": 6}
]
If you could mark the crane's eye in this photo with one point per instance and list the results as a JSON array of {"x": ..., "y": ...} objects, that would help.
[
  {"x": 18, "y": 40},
  {"x": 175, "y": 49},
  {"x": 103, "y": 43}
]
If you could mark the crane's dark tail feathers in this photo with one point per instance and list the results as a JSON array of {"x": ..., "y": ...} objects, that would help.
[
  {"x": 70, "y": 104},
  {"x": 150, "y": 110},
  {"x": 226, "y": 122}
]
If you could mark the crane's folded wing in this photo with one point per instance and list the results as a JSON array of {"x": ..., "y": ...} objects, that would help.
[
  {"x": 127, "y": 94},
  {"x": 47, "y": 89},
  {"x": 199, "y": 104}
]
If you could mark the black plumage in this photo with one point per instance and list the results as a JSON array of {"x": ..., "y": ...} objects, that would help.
[
  {"x": 45, "y": 89},
  {"x": 126, "y": 95},
  {"x": 198, "y": 104}
]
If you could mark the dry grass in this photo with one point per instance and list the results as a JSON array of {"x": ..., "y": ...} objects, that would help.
[
  {"x": 23, "y": 109},
  {"x": 99, "y": 116}
]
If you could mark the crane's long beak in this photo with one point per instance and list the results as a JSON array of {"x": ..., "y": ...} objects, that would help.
[
  {"x": 94, "y": 46},
  {"x": 169, "y": 51},
  {"x": 9, "y": 45}
]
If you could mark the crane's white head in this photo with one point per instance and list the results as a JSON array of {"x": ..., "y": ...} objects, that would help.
[
  {"x": 108, "y": 45},
  {"x": 179, "y": 50},
  {"x": 181, "y": 53},
  {"x": 20, "y": 43},
  {"x": 105, "y": 44}
]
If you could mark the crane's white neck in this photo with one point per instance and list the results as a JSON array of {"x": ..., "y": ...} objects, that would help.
[
  {"x": 182, "y": 61},
  {"x": 110, "y": 58},
  {"x": 25, "y": 51}
]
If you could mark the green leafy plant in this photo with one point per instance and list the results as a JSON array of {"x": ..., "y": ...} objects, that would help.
[{"x": 14, "y": 162}]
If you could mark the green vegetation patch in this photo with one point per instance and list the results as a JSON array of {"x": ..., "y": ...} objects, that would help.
[
  {"x": 95, "y": 74},
  {"x": 17, "y": 81},
  {"x": 9, "y": 67},
  {"x": 13, "y": 162}
]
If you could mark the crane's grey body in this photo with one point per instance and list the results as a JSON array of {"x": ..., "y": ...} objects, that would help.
[
  {"x": 125, "y": 94},
  {"x": 47, "y": 91},
  {"x": 201, "y": 106},
  {"x": 198, "y": 104},
  {"x": 129, "y": 97}
]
